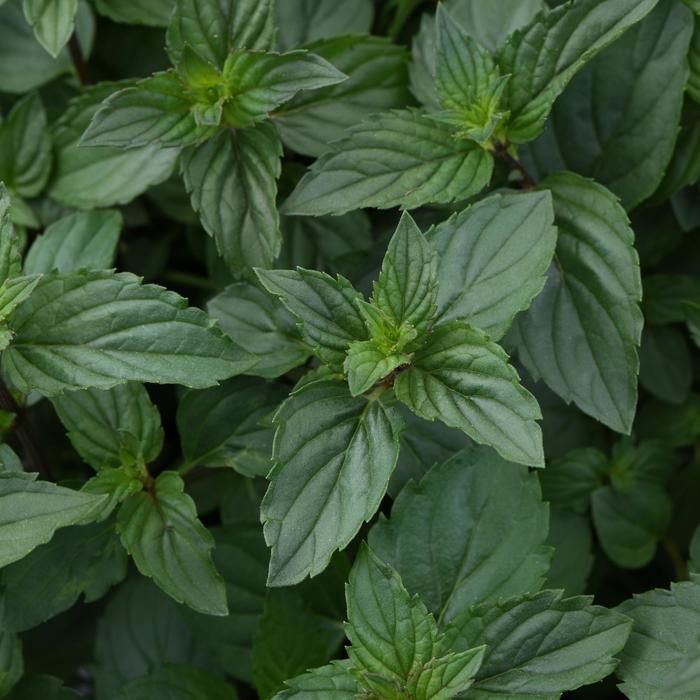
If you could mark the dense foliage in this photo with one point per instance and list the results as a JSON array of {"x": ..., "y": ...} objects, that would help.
[{"x": 349, "y": 349}]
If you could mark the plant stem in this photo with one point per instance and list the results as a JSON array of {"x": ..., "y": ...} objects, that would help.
[
  {"x": 79, "y": 64},
  {"x": 680, "y": 565},
  {"x": 25, "y": 434},
  {"x": 501, "y": 151}
]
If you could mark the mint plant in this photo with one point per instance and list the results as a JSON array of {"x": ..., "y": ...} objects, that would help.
[{"x": 349, "y": 350}]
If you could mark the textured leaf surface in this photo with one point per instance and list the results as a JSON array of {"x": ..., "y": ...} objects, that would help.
[
  {"x": 232, "y": 182},
  {"x": 396, "y": 158},
  {"x": 544, "y": 56},
  {"x": 660, "y": 660},
  {"x": 472, "y": 531},
  {"x": 53, "y": 21},
  {"x": 493, "y": 259},
  {"x": 170, "y": 545},
  {"x": 33, "y": 510},
  {"x": 136, "y": 333},
  {"x": 332, "y": 682},
  {"x": 463, "y": 379},
  {"x": 333, "y": 458},
  {"x": 180, "y": 683},
  {"x": 581, "y": 333}
]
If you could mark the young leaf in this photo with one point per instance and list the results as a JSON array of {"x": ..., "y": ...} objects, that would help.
[
  {"x": 544, "y": 56},
  {"x": 539, "y": 646},
  {"x": 581, "y": 333},
  {"x": 230, "y": 424},
  {"x": 407, "y": 286},
  {"x": 25, "y": 148},
  {"x": 326, "y": 308},
  {"x": 31, "y": 511},
  {"x": 136, "y": 333},
  {"x": 103, "y": 424},
  {"x": 169, "y": 544},
  {"x": 421, "y": 162},
  {"x": 181, "y": 682},
  {"x": 81, "y": 240},
  {"x": 258, "y": 83},
  {"x": 460, "y": 377},
  {"x": 660, "y": 661},
  {"x": 625, "y": 135},
  {"x": 85, "y": 560},
  {"x": 332, "y": 682},
  {"x": 377, "y": 82},
  {"x": 493, "y": 259},
  {"x": 497, "y": 509},
  {"x": 53, "y": 21},
  {"x": 629, "y": 524},
  {"x": 101, "y": 176},
  {"x": 333, "y": 458},
  {"x": 395, "y": 640},
  {"x": 264, "y": 328},
  {"x": 14, "y": 292},
  {"x": 366, "y": 364},
  {"x": 157, "y": 110},
  {"x": 152, "y": 13},
  {"x": 232, "y": 183},
  {"x": 213, "y": 29}
]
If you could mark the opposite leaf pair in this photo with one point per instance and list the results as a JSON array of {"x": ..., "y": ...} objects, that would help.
[
  {"x": 216, "y": 104},
  {"x": 336, "y": 446}
]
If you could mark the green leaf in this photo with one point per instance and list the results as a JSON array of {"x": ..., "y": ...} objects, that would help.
[
  {"x": 153, "y": 13},
  {"x": 81, "y": 240},
  {"x": 160, "y": 529},
  {"x": 136, "y": 333},
  {"x": 666, "y": 297},
  {"x": 103, "y": 424},
  {"x": 493, "y": 259},
  {"x": 213, "y": 29},
  {"x": 180, "y": 682},
  {"x": 629, "y": 524},
  {"x": 44, "y": 687},
  {"x": 472, "y": 531},
  {"x": 86, "y": 177},
  {"x": 258, "y": 83},
  {"x": 331, "y": 682},
  {"x": 406, "y": 289},
  {"x": 571, "y": 537},
  {"x": 230, "y": 425},
  {"x": 141, "y": 629},
  {"x": 581, "y": 333},
  {"x": 420, "y": 163},
  {"x": 84, "y": 560},
  {"x": 467, "y": 81},
  {"x": 618, "y": 120},
  {"x": 117, "y": 484},
  {"x": 665, "y": 363},
  {"x": 25, "y": 148},
  {"x": 53, "y": 21},
  {"x": 11, "y": 661},
  {"x": 367, "y": 363},
  {"x": 10, "y": 254},
  {"x": 13, "y": 292},
  {"x": 33, "y": 510},
  {"x": 692, "y": 312},
  {"x": 325, "y": 307},
  {"x": 377, "y": 81},
  {"x": 333, "y": 457},
  {"x": 544, "y": 56},
  {"x": 288, "y": 640},
  {"x": 460, "y": 377},
  {"x": 695, "y": 550},
  {"x": 570, "y": 480},
  {"x": 541, "y": 645},
  {"x": 25, "y": 63},
  {"x": 301, "y": 21},
  {"x": 660, "y": 661},
  {"x": 156, "y": 110},
  {"x": 395, "y": 640},
  {"x": 232, "y": 184},
  {"x": 264, "y": 329}
]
